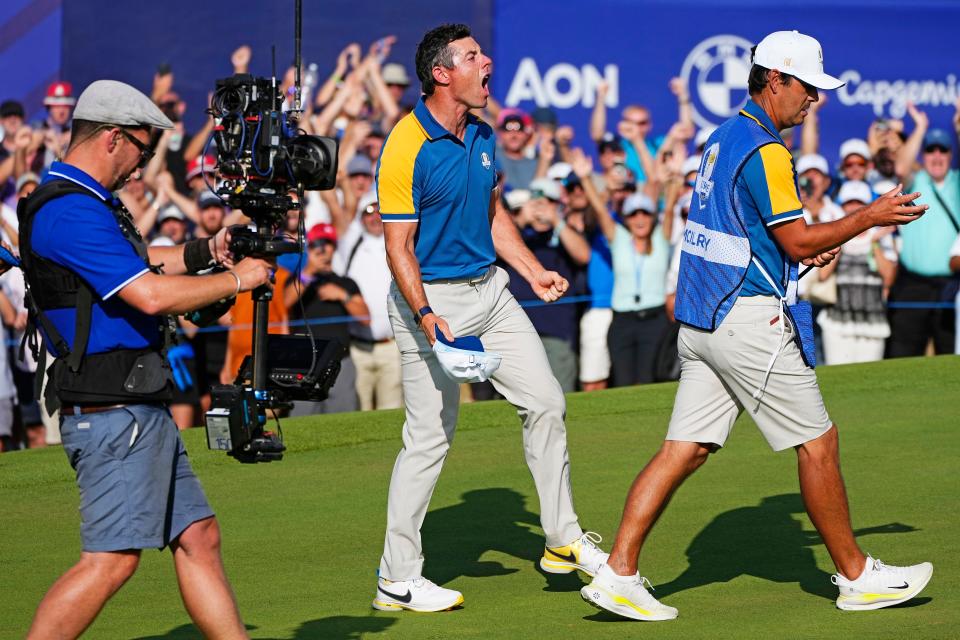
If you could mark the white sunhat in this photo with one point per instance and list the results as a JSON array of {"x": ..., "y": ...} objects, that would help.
[
  {"x": 855, "y": 191},
  {"x": 796, "y": 54},
  {"x": 464, "y": 359}
]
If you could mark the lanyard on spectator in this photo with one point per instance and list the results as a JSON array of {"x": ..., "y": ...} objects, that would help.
[
  {"x": 953, "y": 221},
  {"x": 638, "y": 260}
]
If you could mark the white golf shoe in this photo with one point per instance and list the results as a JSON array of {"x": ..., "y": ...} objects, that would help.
[
  {"x": 583, "y": 554},
  {"x": 418, "y": 594},
  {"x": 625, "y": 596},
  {"x": 881, "y": 585}
]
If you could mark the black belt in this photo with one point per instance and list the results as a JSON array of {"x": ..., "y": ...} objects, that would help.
[
  {"x": 85, "y": 409},
  {"x": 365, "y": 341},
  {"x": 644, "y": 314}
]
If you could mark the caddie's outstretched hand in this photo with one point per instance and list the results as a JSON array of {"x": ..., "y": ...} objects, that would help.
[
  {"x": 895, "y": 208},
  {"x": 549, "y": 286}
]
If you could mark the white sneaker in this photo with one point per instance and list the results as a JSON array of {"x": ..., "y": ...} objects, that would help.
[
  {"x": 881, "y": 585},
  {"x": 625, "y": 596},
  {"x": 418, "y": 594},
  {"x": 583, "y": 554}
]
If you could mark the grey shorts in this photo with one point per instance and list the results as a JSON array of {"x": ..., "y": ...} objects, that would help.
[
  {"x": 721, "y": 370},
  {"x": 137, "y": 490}
]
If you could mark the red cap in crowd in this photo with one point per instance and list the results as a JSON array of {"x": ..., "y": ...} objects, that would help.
[
  {"x": 200, "y": 164},
  {"x": 60, "y": 92},
  {"x": 322, "y": 231}
]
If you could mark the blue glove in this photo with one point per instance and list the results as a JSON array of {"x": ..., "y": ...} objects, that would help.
[{"x": 178, "y": 357}]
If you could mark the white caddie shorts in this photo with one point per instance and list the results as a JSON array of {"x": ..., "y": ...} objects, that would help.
[{"x": 721, "y": 370}]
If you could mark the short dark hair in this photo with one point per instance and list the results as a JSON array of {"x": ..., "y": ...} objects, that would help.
[
  {"x": 83, "y": 130},
  {"x": 433, "y": 50}
]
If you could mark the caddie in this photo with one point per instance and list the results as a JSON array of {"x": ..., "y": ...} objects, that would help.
[{"x": 746, "y": 344}]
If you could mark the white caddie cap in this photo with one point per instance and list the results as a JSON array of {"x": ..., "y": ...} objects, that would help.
[
  {"x": 855, "y": 191},
  {"x": 466, "y": 365},
  {"x": 112, "y": 102},
  {"x": 796, "y": 54},
  {"x": 855, "y": 147},
  {"x": 813, "y": 161}
]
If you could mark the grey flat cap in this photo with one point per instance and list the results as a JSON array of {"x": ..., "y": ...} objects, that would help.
[{"x": 112, "y": 102}]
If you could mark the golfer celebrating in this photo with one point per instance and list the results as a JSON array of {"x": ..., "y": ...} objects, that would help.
[
  {"x": 744, "y": 344},
  {"x": 437, "y": 188}
]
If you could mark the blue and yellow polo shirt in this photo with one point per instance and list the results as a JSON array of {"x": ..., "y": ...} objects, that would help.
[
  {"x": 768, "y": 195},
  {"x": 429, "y": 176}
]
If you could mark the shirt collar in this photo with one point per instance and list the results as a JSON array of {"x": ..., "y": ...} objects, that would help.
[
  {"x": 434, "y": 129},
  {"x": 756, "y": 112},
  {"x": 64, "y": 171}
]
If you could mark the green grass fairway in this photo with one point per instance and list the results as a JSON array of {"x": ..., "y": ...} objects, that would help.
[{"x": 734, "y": 552}]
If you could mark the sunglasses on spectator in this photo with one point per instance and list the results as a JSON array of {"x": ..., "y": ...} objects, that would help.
[
  {"x": 847, "y": 164},
  {"x": 320, "y": 244},
  {"x": 936, "y": 148},
  {"x": 146, "y": 153},
  {"x": 639, "y": 123}
]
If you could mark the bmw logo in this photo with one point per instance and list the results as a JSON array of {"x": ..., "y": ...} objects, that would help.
[{"x": 716, "y": 72}]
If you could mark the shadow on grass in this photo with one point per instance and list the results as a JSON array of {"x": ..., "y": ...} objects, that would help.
[
  {"x": 332, "y": 628},
  {"x": 456, "y": 537},
  {"x": 764, "y": 541}
]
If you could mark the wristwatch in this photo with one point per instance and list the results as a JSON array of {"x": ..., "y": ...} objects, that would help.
[{"x": 422, "y": 311}]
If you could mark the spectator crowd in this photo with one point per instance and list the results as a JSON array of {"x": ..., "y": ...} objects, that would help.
[{"x": 609, "y": 217}]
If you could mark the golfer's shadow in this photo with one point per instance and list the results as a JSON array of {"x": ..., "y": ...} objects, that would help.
[
  {"x": 332, "y": 628},
  {"x": 764, "y": 541},
  {"x": 455, "y": 538}
]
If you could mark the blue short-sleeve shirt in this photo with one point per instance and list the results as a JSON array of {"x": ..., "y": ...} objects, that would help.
[
  {"x": 429, "y": 176},
  {"x": 81, "y": 233}
]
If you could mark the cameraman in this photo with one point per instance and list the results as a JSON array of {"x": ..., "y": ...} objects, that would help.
[{"x": 100, "y": 303}]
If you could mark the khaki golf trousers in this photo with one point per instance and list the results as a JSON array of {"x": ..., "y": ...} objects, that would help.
[{"x": 482, "y": 307}]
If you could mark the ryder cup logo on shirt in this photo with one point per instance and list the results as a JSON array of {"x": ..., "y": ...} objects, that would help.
[
  {"x": 485, "y": 160},
  {"x": 716, "y": 71},
  {"x": 704, "y": 183}
]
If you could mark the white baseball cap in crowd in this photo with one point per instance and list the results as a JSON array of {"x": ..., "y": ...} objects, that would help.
[
  {"x": 637, "y": 202},
  {"x": 559, "y": 171},
  {"x": 692, "y": 163},
  {"x": 516, "y": 198},
  {"x": 702, "y": 136},
  {"x": 796, "y": 54},
  {"x": 815, "y": 161},
  {"x": 464, "y": 359},
  {"x": 855, "y": 147},
  {"x": 545, "y": 188},
  {"x": 855, "y": 191}
]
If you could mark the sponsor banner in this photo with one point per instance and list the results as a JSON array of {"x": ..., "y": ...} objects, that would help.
[{"x": 555, "y": 54}]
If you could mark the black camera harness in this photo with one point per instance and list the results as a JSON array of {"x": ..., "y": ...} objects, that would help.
[{"x": 75, "y": 377}]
